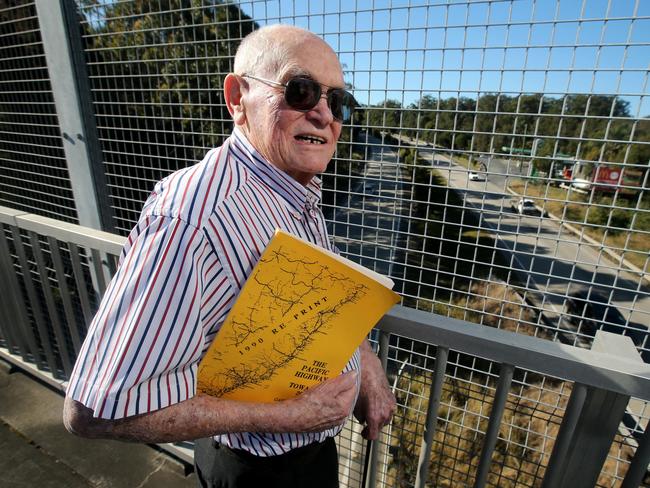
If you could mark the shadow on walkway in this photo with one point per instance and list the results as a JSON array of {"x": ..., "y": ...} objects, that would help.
[{"x": 38, "y": 451}]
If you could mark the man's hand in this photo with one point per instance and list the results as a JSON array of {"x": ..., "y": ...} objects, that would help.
[
  {"x": 324, "y": 406},
  {"x": 376, "y": 404}
]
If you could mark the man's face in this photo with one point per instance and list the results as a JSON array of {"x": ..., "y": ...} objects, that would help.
[{"x": 298, "y": 143}]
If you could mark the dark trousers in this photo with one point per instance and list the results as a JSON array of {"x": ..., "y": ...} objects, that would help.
[{"x": 312, "y": 466}]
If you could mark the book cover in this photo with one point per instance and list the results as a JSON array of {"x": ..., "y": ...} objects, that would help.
[{"x": 298, "y": 319}]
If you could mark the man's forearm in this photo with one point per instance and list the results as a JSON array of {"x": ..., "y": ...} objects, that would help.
[
  {"x": 318, "y": 409},
  {"x": 198, "y": 417}
]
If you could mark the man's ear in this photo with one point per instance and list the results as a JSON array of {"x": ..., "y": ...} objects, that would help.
[{"x": 233, "y": 91}]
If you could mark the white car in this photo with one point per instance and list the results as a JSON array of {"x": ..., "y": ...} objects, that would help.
[
  {"x": 524, "y": 206},
  {"x": 474, "y": 176},
  {"x": 581, "y": 184}
]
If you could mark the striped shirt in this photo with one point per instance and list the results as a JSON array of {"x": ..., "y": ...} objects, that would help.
[{"x": 198, "y": 238}]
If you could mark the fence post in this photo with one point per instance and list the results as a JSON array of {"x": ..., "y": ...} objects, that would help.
[
  {"x": 60, "y": 31},
  {"x": 373, "y": 454},
  {"x": 578, "y": 464}
]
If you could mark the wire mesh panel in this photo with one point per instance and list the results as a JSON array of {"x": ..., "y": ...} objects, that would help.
[
  {"x": 33, "y": 170},
  {"x": 498, "y": 156},
  {"x": 500, "y": 142},
  {"x": 535, "y": 407},
  {"x": 496, "y": 168},
  {"x": 156, "y": 71}
]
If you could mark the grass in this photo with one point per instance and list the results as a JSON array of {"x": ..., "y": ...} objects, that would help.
[
  {"x": 534, "y": 411},
  {"x": 527, "y": 433}
]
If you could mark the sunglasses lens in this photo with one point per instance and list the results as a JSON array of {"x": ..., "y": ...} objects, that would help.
[
  {"x": 302, "y": 94},
  {"x": 341, "y": 104}
]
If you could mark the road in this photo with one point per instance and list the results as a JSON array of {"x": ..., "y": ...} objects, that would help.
[
  {"x": 552, "y": 260},
  {"x": 372, "y": 221},
  {"x": 369, "y": 222}
]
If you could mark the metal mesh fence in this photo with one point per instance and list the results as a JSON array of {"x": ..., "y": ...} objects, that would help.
[
  {"x": 496, "y": 168},
  {"x": 497, "y": 162},
  {"x": 33, "y": 172},
  {"x": 156, "y": 72}
]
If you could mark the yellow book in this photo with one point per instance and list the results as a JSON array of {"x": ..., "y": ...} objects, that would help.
[{"x": 298, "y": 319}]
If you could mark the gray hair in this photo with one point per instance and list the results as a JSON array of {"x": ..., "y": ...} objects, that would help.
[{"x": 267, "y": 51}]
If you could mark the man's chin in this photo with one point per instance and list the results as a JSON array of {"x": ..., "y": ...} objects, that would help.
[{"x": 304, "y": 172}]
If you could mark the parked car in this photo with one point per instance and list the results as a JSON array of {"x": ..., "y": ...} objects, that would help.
[
  {"x": 474, "y": 176},
  {"x": 590, "y": 312},
  {"x": 524, "y": 206}
]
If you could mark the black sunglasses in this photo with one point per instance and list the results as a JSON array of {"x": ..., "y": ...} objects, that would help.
[{"x": 303, "y": 94}]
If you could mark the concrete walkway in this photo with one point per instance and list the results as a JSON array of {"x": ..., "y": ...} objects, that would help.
[{"x": 37, "y": 451}]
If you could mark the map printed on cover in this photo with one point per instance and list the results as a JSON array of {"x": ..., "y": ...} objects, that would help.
[{"x": 298, "y": 319}]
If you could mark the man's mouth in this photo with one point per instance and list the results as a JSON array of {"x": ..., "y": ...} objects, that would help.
[{"x": 311, "y": 139}]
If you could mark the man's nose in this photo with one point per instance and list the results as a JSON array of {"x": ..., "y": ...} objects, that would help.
[{"x": 322, "y": 111}]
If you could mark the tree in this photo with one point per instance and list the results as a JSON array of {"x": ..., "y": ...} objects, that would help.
[{"x": 157, "y": 71}]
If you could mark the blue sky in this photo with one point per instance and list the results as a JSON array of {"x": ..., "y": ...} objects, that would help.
[{"x": 402, "y": 49}]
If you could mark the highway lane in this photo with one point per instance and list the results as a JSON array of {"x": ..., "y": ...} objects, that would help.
[
  {"x": 370, "y": 222},
  {"x": 555, "y": 261},
  {"x": 551, "y": 260}
]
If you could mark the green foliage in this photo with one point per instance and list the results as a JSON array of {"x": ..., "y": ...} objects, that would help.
[
  {"x": 157, "y": 70},
  {"x": 610, "y": 215},
  {"x": 495, "y": 120},
  {"x": 162, "y": 74},
  {"x": 385, "y": 115},
  {"x": 407, "y": 156},
  {"x": 616, "y": 220}
]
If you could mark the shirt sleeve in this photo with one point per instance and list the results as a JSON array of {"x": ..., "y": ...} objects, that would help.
[{"x": 144, "y": 344}]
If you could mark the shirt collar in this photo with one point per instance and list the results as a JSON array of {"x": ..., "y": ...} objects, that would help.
[{"x": 295, "y": 194}]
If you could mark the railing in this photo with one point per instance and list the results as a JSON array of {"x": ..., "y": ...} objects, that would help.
[{"x": 556, "y": 412}]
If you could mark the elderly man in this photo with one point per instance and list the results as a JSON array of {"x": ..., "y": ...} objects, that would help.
[{"x": 200, "y": 233}]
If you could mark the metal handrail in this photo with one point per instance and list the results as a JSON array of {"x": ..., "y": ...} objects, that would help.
[
  {"x": 63, "y": 231},
  {"x": 596, "y": 369}
]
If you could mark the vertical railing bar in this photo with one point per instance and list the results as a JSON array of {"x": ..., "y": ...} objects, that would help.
[
  {"x": 111, "y": 263},
  {"x": 68, "y": 75},
  {"x": 498, "y": 407},
  {"x": 73, "y": 327},
  {"x": 555, "y": 469},
  {"x": 7, "y": 331},
  {"x": 640, "y": 462},
  {"x": 432, "y": 415},
  {"x": 384, "y": 340},
  {"x": 34, "y": 304},
  {"x": 64, "y": 353},
  {"x": 10, "y": 334},
  {"x": 80, "y": 280},
  {"x": 99, "y": 272},
  {"x": 16, "y": 303}
]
